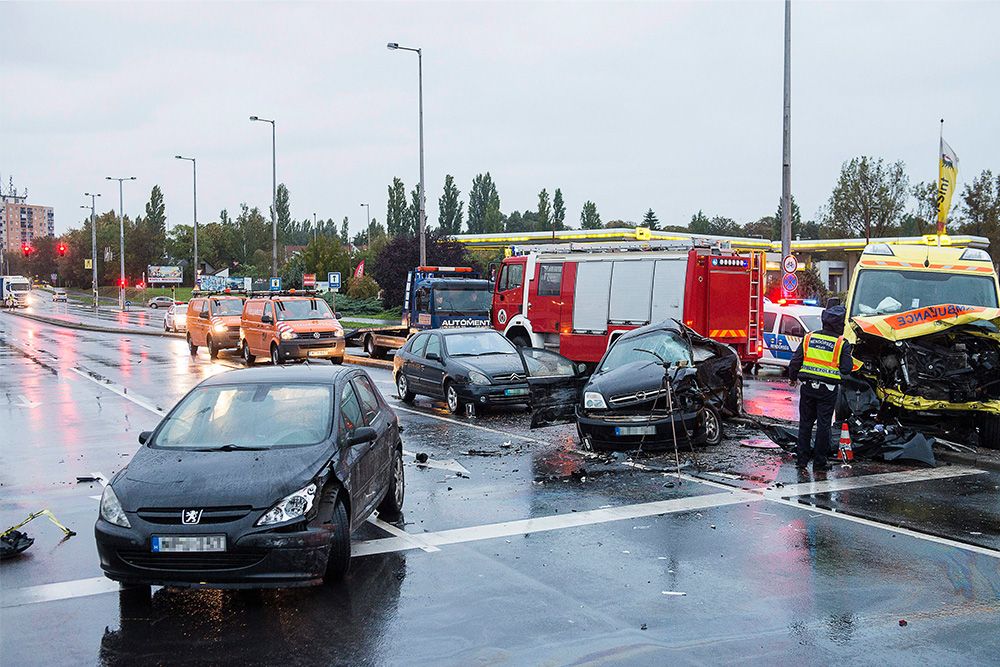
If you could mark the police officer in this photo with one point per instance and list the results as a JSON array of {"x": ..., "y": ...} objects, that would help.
[{"x": 823, "y": 358}]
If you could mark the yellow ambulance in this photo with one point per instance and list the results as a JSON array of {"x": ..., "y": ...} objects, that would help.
[{"x": 925, "y": 323}]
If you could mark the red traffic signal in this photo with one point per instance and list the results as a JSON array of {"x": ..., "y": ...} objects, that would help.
[
  {"x": 122, "y": 283},
  {"x": 61, "y": 249},
  {"x": 26, "y": 249}
]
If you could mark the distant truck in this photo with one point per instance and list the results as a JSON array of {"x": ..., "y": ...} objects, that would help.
[
  {"x": 436, "y": 297},
  {"x": 15, "y": 291}
]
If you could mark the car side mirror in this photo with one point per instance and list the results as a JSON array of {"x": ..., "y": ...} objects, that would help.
[
  {"x": 433, "y": 356},
  {"x": 337, "y": 315},
  {"x": 361, "y": 435},
  {"x": 144, "y": 437},
  {"x": 266, "y": 319},
  {"x": 203, "y": 316}
]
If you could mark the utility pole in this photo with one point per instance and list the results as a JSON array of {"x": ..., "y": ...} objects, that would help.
[
  {"x": 93, "y": 241},
  {"x": 786, "y": 144},
  {"x": 121, "y": 238}
]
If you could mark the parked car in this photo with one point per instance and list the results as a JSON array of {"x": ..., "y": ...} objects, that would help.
[
  {"x": 653, "y": 384},
  {"x": 256, "y": 478},
  {"x": 466, "y": 365},
  {"x": 285, "y": 327},
  {"x": 214, "y": 322},
  {"x": 159, "y": 302},
  {"x": 59, "y": 294},
  {"x": 175, "y": 319},
  {"x": 785, "y": 323}
]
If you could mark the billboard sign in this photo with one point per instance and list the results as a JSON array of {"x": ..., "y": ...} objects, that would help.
[{"x": 164, "y": 274}]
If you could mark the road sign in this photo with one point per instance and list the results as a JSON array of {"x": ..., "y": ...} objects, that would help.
[
  {"x": 309, "y": 280},
  {"x": 275, "y": 285},
  {"x": 88, "y": 263},
  {"x": 790, "y": 283},
  {"x": 790, "y": 264},
  {"x": 333, "y": 277}
]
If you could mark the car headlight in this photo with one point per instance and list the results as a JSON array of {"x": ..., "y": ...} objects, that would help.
[
  {"x": 594, "y": 399},
  {"x": 288, "y": 335},
  {"x": 111, "y": 509},
  {"x": 220, "y": 328},
  {"x": 290, "y": 507},
  {"x": 475, "y": 377}
]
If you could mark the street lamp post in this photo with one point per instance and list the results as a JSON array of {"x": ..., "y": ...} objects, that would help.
[
  {"x": 194, "y": 171},
  {"x": 314, "y": 226},
  {"x": 274, "y": 198},
  {"x": 93, "y": 241},
  {"x": 393, "y": 46},
  {"x": 368, "y": 212},
  {"x": 121, "y": 238}
]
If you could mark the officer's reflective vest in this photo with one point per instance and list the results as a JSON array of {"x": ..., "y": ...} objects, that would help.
[{"x": 821, "y": 356}]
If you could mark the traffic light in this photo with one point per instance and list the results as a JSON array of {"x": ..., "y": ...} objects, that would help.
[
  {"x": 122, "y": 283},
  {"x": 26, "y": 249},
  {"x": 61, "y": 249}
]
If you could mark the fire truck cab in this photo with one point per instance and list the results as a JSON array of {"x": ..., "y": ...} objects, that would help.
[{"x": 577, "y": 299}]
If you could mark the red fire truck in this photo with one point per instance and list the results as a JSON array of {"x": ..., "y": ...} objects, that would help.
[{"x": 578, "y": 298}]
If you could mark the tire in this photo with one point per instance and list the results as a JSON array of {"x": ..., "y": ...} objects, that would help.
[
  {"x": 275, "y": 355},
  {"x": 153, "y": 306},
  {"x": 248, "y": 358},
  {"x": 391, "y": 506},
  {"x": 521, "y": 341},
  {"x": 165, "y": 327},
  {"x": 713, "y": 427},
  {"x": 374, "y": 351},
  {"x": 213, "y": 351},
  {"x": 403, "y": 388},
  {"x": 192, "y": 348},
  {"x": 989, "y": 431},
  {"x": 339, "y": 561},
  {"x": 336, "y": 361},
  {"x": 452, "y": 399}
]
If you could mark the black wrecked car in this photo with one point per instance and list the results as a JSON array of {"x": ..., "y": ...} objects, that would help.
[
  {"x": 256, "y": 478},
  {"x": 653, "y": 384},
  {"x": 477, "y": 366}
]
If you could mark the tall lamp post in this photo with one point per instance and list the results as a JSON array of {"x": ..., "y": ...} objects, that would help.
[
  {"x": 121, "y": 238},
  {"x": 393, "y": 46},
  {"x": 194, "y": 172},
  {"x": 93, "y": 241},
  {"x": 314, "y": 226},
  {"x": 274, "y": 198},
  {"x": 368, "y": 212}
]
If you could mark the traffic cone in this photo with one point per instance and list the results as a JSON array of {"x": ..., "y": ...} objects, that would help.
[{"x": 845, "y": 452}]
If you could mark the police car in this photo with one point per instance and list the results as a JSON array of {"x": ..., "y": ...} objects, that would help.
[{"x": 785, "y": 323}]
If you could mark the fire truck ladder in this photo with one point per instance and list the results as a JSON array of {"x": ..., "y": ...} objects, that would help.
[
  {"x": 619, "y": 246},
  {"x": 756, "y": 282}
]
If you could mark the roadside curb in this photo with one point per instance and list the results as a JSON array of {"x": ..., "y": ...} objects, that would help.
[
  {"x": 367, "y": 361},
  {"x": 93, "y": 327},
  {"x": 975, "y": 460}
]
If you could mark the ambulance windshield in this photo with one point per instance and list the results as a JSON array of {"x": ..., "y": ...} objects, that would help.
[{"x": 881, "y": 292}]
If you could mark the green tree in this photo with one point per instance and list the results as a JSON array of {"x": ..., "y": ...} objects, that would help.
[
  {"x": 325, "y": 254},
  {"x": 364, "y": 287},
  {"x": 396, "y": 215},
  {"x": 284, "y": 215},
  {"x": 412, "y": 219},
  {"x": 558, "y": 210},
  {"x": 650, "y": 220},
  {"x": 869, "y": 198},
  {"x": 156, "y": 211},
  {"x": 482, "y": 193},
  {"x": 980, "y": 208},
  {"x": 544, "y": 211},
  {"x": 589, "y": 217},
  {"x": 344, "y": 232},
  {"x": 515, "y": 223},
  {"x": 450, "y": 208}
]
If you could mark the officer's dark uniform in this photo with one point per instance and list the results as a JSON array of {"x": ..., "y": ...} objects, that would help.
[{"x": 820, "y": 362}]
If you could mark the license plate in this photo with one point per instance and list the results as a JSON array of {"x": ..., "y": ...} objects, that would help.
[
  {"x": 635, "y": 430},
  {"x": 515, "y": 392},
  {"x": 188, "y": 543},
  {"x": 319, "y": 353}
]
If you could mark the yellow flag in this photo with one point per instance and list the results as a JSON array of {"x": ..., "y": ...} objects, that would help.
[{"x": 947, "y": 178}]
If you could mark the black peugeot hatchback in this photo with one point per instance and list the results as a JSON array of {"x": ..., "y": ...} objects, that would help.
[{"x": 256, "y": 478}]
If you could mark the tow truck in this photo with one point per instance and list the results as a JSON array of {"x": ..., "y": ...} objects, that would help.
[
  {"x": 435, "y": 297},
  {"x": 15, "y": 291}
]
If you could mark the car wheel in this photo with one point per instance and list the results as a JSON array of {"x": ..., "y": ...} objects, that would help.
[
  {"x": 713, "y": 426},
  {"x": 989, "y": 431},
  {"x": 403, "y": 388},
  {"x": 521, "y": 341},
  {"x": 339, "y": 561},
  {"x": 191, "y": 346},
  {"x": 153, "y": 306},
  {"x": 336, "y": 361},
  {"x": 374, "y": 351},
  {"x": 248, "y": 358},
  {"x": 275, "y": 355},
  {"x": 392, "y": 505},
  {"x": 451, "y": 396},
  {"x": 213, "y": 351}
]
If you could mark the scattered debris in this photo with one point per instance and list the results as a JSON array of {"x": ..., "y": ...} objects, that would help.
[
  {"x": 13, "y": 541},
  {"x": 83, "y": 479},
  {"x": 421, "y": 457},
  {"x": 759, "y": 443},
  {"x": 642, "y": 627},
  {"x": 482, "y": 452},
  {"x": 902, "y": 623}
]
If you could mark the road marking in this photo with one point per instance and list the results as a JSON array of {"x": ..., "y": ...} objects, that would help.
[
  {"x": 117, "y": 389},
  {"x": 864, "y": 481},
  {"x": 481, "y": 428},
  {"x": 446, "y": 464},
  {"x": 62, "y": 590},
  {"x": 557, "y": 522},
  {"x": 415, "y": 539},
  {"x": 28, "y": 404}
]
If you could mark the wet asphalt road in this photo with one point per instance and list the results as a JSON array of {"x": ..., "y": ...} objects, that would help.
[{"x": 534, "y": 554}]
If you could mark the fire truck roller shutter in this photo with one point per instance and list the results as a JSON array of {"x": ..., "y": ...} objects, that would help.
[
  {"x": 631, "y": 291},
  {"x": 668, "y": 289},
  {"x": 593, "y": 292}
]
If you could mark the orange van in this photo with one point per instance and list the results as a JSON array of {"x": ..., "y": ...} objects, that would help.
[
  {"x": 290, "y": 327},
  {"x": 213, "y": 321}
]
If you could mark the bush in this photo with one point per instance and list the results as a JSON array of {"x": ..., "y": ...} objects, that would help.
[
  {"x": 346, "y": 305},
  {"x": 364, "y": 287}
]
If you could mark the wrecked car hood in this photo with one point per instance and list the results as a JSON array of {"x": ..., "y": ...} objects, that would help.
[{"x": 924, "y": 321}]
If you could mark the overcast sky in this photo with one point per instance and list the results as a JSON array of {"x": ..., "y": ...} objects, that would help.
[{"x": 669, "y": 105}]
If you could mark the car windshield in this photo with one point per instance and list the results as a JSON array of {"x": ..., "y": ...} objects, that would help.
[
  {"x": 665, "y": 344},
  {"x": 227, "y": 306},
  {"x": 304, "y": 309},
  {"x": 249, "y": 416},
  {"x": 812, "y": 322},
  {"x": 474, "y": 344},
  {"x": 879, "y": 292},
  {"x": 447, "y": 300}
]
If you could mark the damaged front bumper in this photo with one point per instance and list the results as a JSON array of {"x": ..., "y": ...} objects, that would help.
[{"x": 607, "y": 429}]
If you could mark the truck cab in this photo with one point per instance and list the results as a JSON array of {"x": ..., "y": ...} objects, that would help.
[
  {"x": 15, "y": 291},
  {"x": 442, "y": 297}
]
